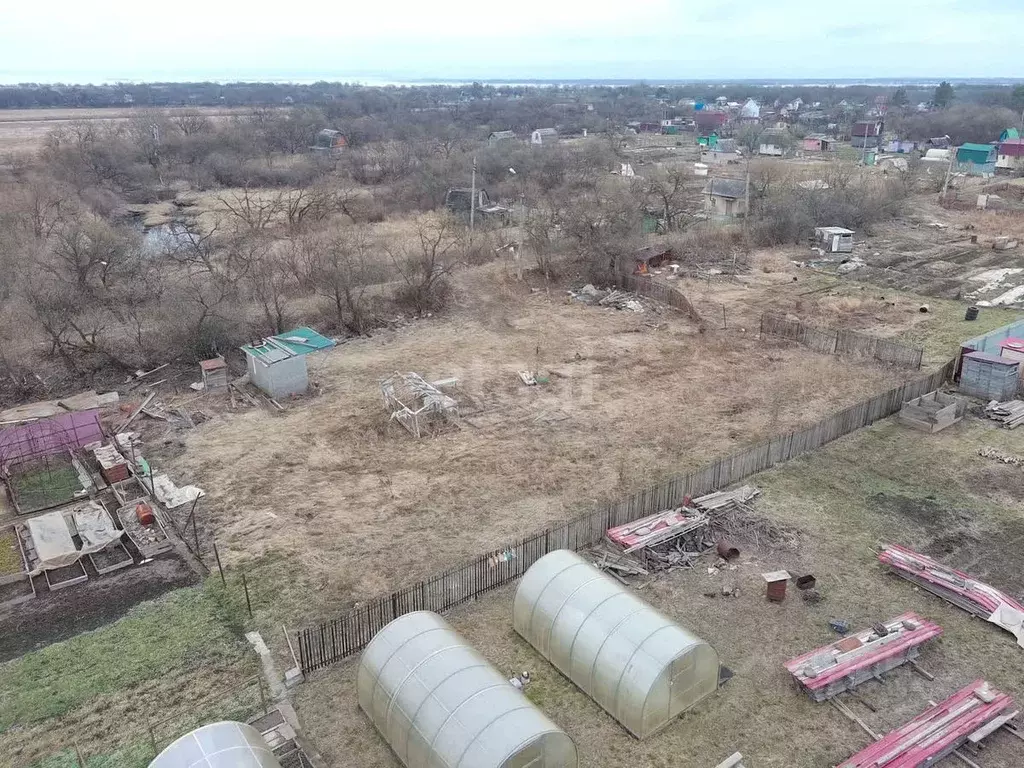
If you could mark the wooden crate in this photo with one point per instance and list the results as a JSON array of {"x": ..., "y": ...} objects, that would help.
[{"x": 932, "y": 412}]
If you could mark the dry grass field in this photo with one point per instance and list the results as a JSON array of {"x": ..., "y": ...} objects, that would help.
[
  {"x": 355, "y": 506},
  {"x": 23, "y": 130},
  {"x": 880, "y": 484}
]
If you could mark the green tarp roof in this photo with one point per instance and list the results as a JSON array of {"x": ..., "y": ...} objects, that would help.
[{"x": 299, "y": 341}]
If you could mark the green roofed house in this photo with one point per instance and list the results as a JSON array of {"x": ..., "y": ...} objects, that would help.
[
  {"x": 1009, "y": 133},
  {"x": 277, "y": 365},
  {"x": 977, "y": 159}
]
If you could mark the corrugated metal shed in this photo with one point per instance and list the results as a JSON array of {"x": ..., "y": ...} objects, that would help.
[
  {"x": 218, "y": 745},
  {"x": 439, "y": 704},
  {"x": 989, "y": 377},
  {"x": 300, "y": 341},
  {"x": 976, "y": 153},
  {"x": 277, "y": 365},
  {"x": 639, "y": 665}
]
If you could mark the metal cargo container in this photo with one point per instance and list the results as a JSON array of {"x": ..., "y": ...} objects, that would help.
[
  {"x": 439, "y": 704},
  {"x": 639, "y": 665}
]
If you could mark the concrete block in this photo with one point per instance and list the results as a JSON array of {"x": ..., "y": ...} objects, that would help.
[{"x": 293, "y": 677}]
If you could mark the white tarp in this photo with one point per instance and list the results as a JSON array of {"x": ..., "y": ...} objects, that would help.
[
  {"x": 52, "y": 535},
  {"x": 1010, "y": 619},
  {"x": 171, "y": 496},
  {"x": 95, "y": 527},
  {"x": 52, "y": 539}
]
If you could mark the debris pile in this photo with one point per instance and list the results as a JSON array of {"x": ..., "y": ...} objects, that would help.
[
  {"x": 720, "y": 500},
  {"x": 665, "y": 527},
  {"x": 1006, "y": 458},
  {"x": 1010, "y": 413},
  {"x": 618, "y": 565},
  {"x": 967, "y": 716},
  {"x": 623, "y": 300},
  {"x": 675, "y": 538},
  {"x": 957, "y": 588},
  {"x": 862, "y": 656}
]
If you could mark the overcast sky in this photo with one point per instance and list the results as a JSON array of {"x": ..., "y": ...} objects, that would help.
[{"x": 71, "y": 40}]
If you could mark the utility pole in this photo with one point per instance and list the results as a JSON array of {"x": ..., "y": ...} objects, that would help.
[
  {"x": 949, "y": 171},
  {"x": 746, "y": 209},
  {"x": 472, "y": 202}
]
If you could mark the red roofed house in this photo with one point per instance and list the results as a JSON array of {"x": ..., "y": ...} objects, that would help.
[
  {"x": 1010, "y": 154},
  {"x": 867, "y": 133}
]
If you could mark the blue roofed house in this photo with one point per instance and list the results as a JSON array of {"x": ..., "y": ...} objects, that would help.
[
  {"x": 976, "y": 159},
  {"x": 277, "y": 365}
]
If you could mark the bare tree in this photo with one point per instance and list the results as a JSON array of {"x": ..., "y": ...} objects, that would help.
[
  {"x": 313, "y": 204},
  {"x": 191, "y": 122},
  {"x": 343, "y": 274},
  {"x": 92, "y": 256},
  {"x": 426, "y": 266},
  {"x": 270, "y": 282},
  {"x": 44, "y": 205},
  {"x": 669, "y": 190},
  {"x": 252, "y": 209}
]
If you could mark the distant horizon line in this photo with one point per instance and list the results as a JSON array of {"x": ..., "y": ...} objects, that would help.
[{"x": 18, "y": 79}]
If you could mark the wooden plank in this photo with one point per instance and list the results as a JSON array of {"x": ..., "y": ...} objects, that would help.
[
  {"x": 991, "y": 727},
  {"x": 136, "y": 412}
]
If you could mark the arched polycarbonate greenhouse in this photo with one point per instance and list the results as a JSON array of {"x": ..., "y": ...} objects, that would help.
[
  {"x": 218, "y": 745},
  {"x": 639, "y": 665},
  {"x": 440, "y": 704}
]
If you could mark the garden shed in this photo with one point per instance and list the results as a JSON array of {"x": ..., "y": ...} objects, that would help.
[
  {"x": 218, "y": 745},
  {"x": 977, "y": 159},
  {"x": 437, "y": 702},
  {"x": 277, "y": 365},
  {"x": 990, "y": 377},
  {"x": 637, "y": 664},
  {"x": 834, "y": 239}
]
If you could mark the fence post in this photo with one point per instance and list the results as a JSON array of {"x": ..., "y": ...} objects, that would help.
[
  {"x": 216, "y": 555},
  {"x": 152, "y": 738},
  {"x": 263, "y": 699},
  {"x": 245, "y": 586}
]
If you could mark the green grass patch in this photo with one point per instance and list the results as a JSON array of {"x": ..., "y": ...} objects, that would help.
[
  {"x": 44, "y": 487},
  {"x": 945, "y": 329},
  {"x": 10, "y": 555},
  {"x": 132, "y": 756},
  {"x": 183, "y": 631}
]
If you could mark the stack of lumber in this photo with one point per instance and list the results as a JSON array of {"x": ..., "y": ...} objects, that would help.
[
  {"x": 861, "y": 656},
  {"x": 958, "y": 588},
  {"x": 722, "y": 499},
  {"x": 659, "y": 528},
  {"x": 968, "y": 715},
  {"x": 618, "y": 564},
  {"x": 1010, "y": 413}
]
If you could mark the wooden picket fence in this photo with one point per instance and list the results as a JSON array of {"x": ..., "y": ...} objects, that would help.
[
  {"x": 346, "y": 635},
  {"x": 666, "y": 294},
  {"x": 833, "y": 341}
]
